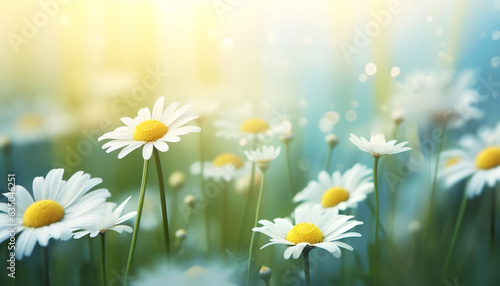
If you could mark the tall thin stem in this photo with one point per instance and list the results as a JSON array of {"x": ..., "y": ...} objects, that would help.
[
  {"x": 492, "y": 219},
  {"x": 248, "y": 203},
  {"x": 328, "y": 158},
  {"x": 383, "y": 232},
  {"x": 461, "y": 213},
  {"x": 433, "y": 188},
  {"x": 103, "y": 257},
  {"x": 202, "y": 186},
  {"x": 164, "y": 214},
  {"x": 250, "y": 250},
  {"x": 289, "y": 168},
  {"x": 307, "y": 273},
  {"x": 375, "y": 185},
  {"x": 137, "y": 219},
  {"x": 224, "y": 215},
  {"x": 45, "y": 257}
]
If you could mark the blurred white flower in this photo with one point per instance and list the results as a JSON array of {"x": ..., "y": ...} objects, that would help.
[
  {"x": 443, "y": 95},
  {"x": 205, "y": 108},
  {"x": 176, "y": 180},
  {"x": 226, "y": 167},
  {"x": 110, "y": 220},
  {"x": 327, "y": 123},
  {"x": 204, "y": 274},
  {"x": 377, "y": 146},
  {"x": 338, "y": 191},
  {"x": 477, "y": 158},
  {"x": 26, "y": 120},
  {"x": 241, "y": 122},
  {"x": 264, "y": 157}
]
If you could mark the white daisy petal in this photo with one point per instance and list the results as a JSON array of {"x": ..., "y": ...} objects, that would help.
[
  {"x": 377, "y": 146},
  {"x": 152, "y": 129},
  {"x": 313, "y": 227}
]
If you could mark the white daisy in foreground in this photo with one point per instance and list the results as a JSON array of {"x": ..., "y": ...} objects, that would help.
[
  {"x": 241, "y": 124},
  {"x": 264, "y": 157},
  {"x": 226, "y": 166},
  {"x": 313, "y": 228},
  {"x": 478, "y": 158},
  {"x": 110, "y": 220},
  {"x": 377, "y": 146},
  {"x": 338, "y": 191},
  {"x": 58, "y": 208},
  {"x": 151, "y": 129}
]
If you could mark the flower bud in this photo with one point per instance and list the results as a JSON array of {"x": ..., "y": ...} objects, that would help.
[
  {"x": 190, "y": 201},
  {"x": 265, "y": 273},
  {"x": 286, "y": 137},
  {"x": 398, "y": 117},
  {"x": 332, "y": 140},
  {"x": 181, "y": 234},
  {"x": 176, "y": 180}
]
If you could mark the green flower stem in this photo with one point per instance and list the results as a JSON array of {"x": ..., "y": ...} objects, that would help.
[
  {"x": 202, "y": 186},
  {"x": 307, "y": 274},
  {"x": 248, "y": 203},
  {"x": 492, "y": 219},
  {"x": 395, "y": 131},
  {"x": 328, "y": 158},
  {"x": 103, "y": 257},
  {"x": 289, "y": 168},
  {"x": 382, "y": 228},
  {"x": 45, "y": 257},
  {"x": 375, "y": 184},
  {"x": 393, "y": 214},
  {"x": 164, "y": 213},
  {"x": 461, "y": 213},
  {"x": 91, "y": 250},
  {"x": 7, "y": 160},
  {"x": 433, "y": 188},
  {"x": 173, "y": 206},
  {"x": 250, "y": 250},
  {"x": 137, "y": 219},
  {"x": 224, "y": 215}
]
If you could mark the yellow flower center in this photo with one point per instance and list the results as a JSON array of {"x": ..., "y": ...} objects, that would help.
[
  {"x": 489, "y": 158},
  {"x": 194, "y": 276},
  {"x": 150, "y": 131},
  {"x": 43, "y": 213},
  {"x": 452, "y": 161},
  {"x": 254, "y": 125},
  {"x": 305, "y": 232},
  {"x": 228, "y": 158},
  {"x": 334, "y": 196},
  {"x": 30, "y": 122}
]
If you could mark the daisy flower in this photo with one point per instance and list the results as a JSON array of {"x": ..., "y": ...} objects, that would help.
[
  {"x": 264, "y": 157},
  {"x": 377, "y": 146},
  {"x": 440, "y": 96},
  {"x": 57, "y": 208},
  {"x": 110, "y": 220},
  {"x": 313, "y": 228},
  {"x": 33, "y": 119},
  {"x": 151, "y": 129},
  {"x": 210, "y": 273},
  {"x": 477, "y": 157},
  {"x": 241, "y": 124},
  {"x": 225, "y": 167},
  {"x": 338, "y": 191}
]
